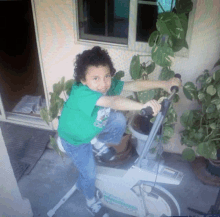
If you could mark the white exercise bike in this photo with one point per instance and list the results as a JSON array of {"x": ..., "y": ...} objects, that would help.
[{"x": 134, "y": 191}]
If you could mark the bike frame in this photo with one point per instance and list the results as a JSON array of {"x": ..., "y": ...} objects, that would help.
[{"x": 116, "y": 184}]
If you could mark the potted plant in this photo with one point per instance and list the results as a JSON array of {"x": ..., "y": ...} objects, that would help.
[
  {"x": 140, "y": 126},
  {"x": 201, "y": 132},
  {"x": 169, "y": 38},
  {"x": 60, "y": 94}
]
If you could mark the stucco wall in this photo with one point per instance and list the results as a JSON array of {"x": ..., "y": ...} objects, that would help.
[{"x": 54, "y": 21}]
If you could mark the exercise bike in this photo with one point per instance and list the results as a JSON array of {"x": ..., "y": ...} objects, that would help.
[{"x": 134, "y": 191}]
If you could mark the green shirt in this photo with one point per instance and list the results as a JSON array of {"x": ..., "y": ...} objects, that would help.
[{"x": 81, "y": 120}]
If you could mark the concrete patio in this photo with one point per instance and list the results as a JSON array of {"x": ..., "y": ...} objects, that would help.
[{"x": 53, "y": 177}]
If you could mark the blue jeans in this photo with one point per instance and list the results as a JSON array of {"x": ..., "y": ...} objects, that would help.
[{"x": 82, "y": 156}]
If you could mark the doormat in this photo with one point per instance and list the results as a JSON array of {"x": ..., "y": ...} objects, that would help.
[
  {"x": 25, "y": 146},
  {"x": 199, "y": 167}
]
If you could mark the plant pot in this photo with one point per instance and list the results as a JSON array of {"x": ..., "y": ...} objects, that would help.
[
  {"x": 140, "y": 128},
  {"x": 213, "y": 166}
]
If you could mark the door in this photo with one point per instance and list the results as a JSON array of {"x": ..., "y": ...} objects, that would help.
[{"x": 20, "y": 72}]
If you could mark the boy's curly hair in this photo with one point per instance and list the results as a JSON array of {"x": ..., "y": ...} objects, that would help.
[{"x": 94, "y": 57}]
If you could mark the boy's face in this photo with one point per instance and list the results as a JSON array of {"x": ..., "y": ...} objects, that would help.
[{"x": 98, "y": 78}]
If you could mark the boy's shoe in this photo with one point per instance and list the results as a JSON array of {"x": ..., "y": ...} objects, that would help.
[
  {"x": 97, "y": 210},
  {"x": 105, "y": 153}
]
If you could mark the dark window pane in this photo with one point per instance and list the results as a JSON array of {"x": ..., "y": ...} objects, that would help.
[
  {"x": 146, "y": 21},
  {"x": 95, "y": 14},
  {"x": 108, "y": 18}
]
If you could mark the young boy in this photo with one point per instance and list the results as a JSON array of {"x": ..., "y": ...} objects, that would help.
[{"x": 91, "y": 111}]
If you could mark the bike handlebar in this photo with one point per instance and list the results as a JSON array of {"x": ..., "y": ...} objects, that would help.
[{"x": 148, "y": 110}]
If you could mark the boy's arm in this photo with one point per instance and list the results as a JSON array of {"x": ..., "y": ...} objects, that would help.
[
  {"x": 141, "y": 85},
  {"x": 122, "y": 103},
  {"x": 119, "y": 103}
]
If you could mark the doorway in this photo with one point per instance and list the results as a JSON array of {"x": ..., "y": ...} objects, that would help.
[{"x": 20, "y": 73}]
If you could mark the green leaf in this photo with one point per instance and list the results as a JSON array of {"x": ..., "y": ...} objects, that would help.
[
  {"x": 44, "y": 115},
  {"x": 200, "y": 78},
  {"x": 188, "y": 154},
  {"x": 208, "y": 80},
  {"x": 216, "y": 101},
  {"x": 201, "y": 96},
  {"x": 171, "y": 118},
  {"x": 161, "y": 54},
  {"x": 207, "y": 150},
  {"x": 166, "y": 74},
  {"x": 153, "y": 37},
  {"x": 62, "y": 83},
  {"x": 145, "y": 96},
  {"x": 186, "y": 118},
  {"x": 190, "y": 90},
  {"x": 176, "y": 98},
  {"x": 216, "y": 75},
  {"x": 54, "y": 98},
  {"x": 119, "y": 75},
  {"x": 207, "y": 100},
  {"x": 150, "y": 68},
  {"x": 53, "y": 111},
  {"x": 68, "y": 86},
  {"x": 178, "y": 44},
  {"x": 184, "y": 21},
  {"x": 186, "y": 141},
  {"x": 218, "y": 90},
  {"x": 135, "y": 67},
  {"x": 211, "y": 90},
  {"x": 211, "y": 108},
  {"x": 169, "y": 23},
  {"x": 60, "y": 104},
  {"x": 57, "y": 88},
  {"x": 213, "y": 126},
  {"x": 198, "y": 136},
  {"x": 184, "y": 6},
  {"x": 168, "y": 131}
]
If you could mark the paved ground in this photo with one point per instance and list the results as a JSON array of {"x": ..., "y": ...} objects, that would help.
[{"x": 52, "y": 178}]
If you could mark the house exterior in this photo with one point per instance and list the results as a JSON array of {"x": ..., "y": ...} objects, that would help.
[
  {"x": 56, "y": 24},
  {"x": 57, "y": 32}
]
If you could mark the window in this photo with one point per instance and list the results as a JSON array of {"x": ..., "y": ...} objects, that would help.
[
  {"x": 127, "y": 23},
  {"x": 104, "y": 20}
]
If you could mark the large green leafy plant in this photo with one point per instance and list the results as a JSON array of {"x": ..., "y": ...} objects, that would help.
[
  {"x": 170, "y": 37},
  {"x": 139, "y": 71},
  {"x": 202, "y": 126},
  {"x": 61, "y": 90}
]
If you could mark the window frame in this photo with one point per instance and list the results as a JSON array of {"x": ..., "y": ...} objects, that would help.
[{"x": 132, "y": 45}]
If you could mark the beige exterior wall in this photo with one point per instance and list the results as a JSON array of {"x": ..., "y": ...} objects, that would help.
[
  {"x": 11, "y": 202},
  {"x": 55, "y": 19}
]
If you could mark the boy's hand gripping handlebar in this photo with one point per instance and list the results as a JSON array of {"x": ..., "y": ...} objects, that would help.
[{"x": 149, "y": 111}]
